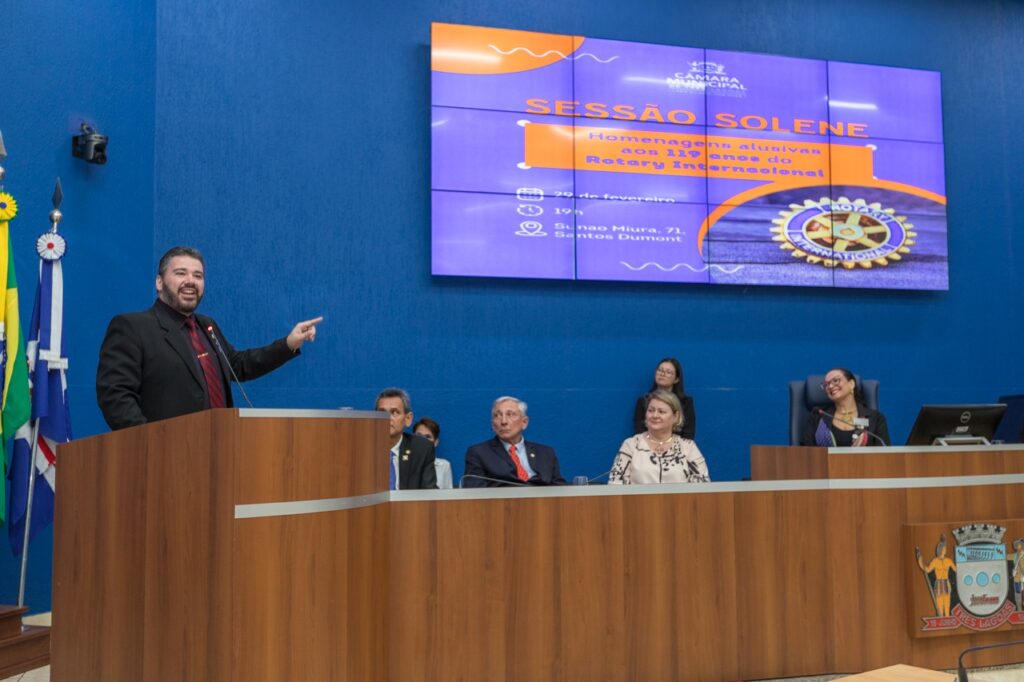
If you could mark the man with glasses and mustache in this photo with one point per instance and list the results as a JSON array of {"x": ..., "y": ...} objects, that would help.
[{"x": 168, "y": 360}]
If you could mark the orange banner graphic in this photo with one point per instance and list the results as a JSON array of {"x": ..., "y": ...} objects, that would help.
[{"x": 779, "y": 164}]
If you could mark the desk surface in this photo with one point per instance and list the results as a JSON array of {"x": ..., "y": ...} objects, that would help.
[{"x": 780, "y": 462}]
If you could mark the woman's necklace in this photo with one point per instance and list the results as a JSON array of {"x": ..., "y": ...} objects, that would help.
[{"x": 659, "y": 446}]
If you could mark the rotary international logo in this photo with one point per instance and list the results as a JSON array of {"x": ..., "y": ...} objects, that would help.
[
  {"x": 989, "y": 583},
  {"x": 843, "y": 233}
]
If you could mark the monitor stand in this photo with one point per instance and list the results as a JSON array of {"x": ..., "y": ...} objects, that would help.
[{"x": 961, "y": 440}]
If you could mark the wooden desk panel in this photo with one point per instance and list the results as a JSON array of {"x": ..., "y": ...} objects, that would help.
[
  {"x": 786, "y": 462},
  {"x": 718, "y": 586},
  {"x": 307, "y": 604},
  {"x": 155, "y": 579},
  {"x": 308, "y": 459},
  {"x": 193, "y": 568}
]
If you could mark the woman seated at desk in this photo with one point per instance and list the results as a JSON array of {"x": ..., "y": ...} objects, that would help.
[
  {"x": 431, "y": 430},
  {"x": 852, "y": 423},
  {"x": 660, "y": 454}
]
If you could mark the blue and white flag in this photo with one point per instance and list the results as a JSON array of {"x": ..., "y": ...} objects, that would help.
[{"x": 51, "y": 417}]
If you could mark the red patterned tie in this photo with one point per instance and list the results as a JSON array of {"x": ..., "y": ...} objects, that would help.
[
  {"x": 520, "y": 469},
  {"x": 214, "y": 384}
]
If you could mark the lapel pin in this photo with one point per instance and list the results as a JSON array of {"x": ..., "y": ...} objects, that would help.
[
  {"x": 532, "y": 455},
  {"x": 405, "y": 455}
]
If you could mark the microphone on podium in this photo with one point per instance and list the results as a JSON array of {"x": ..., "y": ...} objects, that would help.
[
  {"x": 220, "y": 349},
  {"x": 518, "y": 484},
  {"x": 858, "y": 427},
  {"x": 583, "y": 480},
  {"x": 961, "y": 672}
]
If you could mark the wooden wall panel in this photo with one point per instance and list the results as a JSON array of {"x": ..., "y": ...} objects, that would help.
[
  {"x": 780, "y": 541},
  {"x": 730, "y": 585},
  {"x": 153, "y": 564},
  {"x": 188, "y": 501},
  {"x": 158, "y": 581},
  {"x": 863, "y": 577},
  {"x": 854, "y": 464},
  {"x": 99, "y": 559},
  {"x": 309, "y": 599},
  {"x": 593, "y": 550},
  {"x": 783, "y": 462},
  {"x": 309, "y": 459}
]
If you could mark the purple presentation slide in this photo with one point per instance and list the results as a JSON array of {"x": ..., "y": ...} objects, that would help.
[{"x": 565, "y": 157}]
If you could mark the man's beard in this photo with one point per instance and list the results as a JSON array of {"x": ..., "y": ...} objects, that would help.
[{"x": 173, "y": 299}]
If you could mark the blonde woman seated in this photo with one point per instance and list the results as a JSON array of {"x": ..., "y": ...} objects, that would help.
[{"x": 660, "y": 454}]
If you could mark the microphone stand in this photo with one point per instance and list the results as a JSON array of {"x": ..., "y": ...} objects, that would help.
[
  {"x": 220, "y": 349},
  {"x": 492, "y": 480},
  {"x": 822, "y": 413}
]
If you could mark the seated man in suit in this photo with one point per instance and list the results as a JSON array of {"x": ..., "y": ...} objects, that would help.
[
  {"x": 508, "y": 458},
  {"x": 412, "y": 457}
]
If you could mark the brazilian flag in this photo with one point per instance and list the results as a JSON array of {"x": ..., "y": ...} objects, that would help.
[{"x": 16, "y": 406}]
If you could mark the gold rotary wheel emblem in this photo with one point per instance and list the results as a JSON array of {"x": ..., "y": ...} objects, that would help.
[{"x": 843, "y": 233}]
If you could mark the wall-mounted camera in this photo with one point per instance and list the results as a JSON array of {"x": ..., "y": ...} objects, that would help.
[{"x": 90, "y": 145}]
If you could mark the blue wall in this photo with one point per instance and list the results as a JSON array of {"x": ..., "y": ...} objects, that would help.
[
  {"x": 63, "y": 63},
  {"x": 289, "y": 141}
]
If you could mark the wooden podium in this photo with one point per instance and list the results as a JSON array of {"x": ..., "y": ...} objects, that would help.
[
  {"x": 166, "y": 568},
  {"x": 261, "y": 546}
]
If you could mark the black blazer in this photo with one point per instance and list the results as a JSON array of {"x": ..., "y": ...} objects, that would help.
[
  {"x": 149, "y": 371},
  {"x": 876, "y": 425},
  {"x": 416, "y": 463},
  {"x": 689, "y": 417},
  {"x": 490, "y": 459}
]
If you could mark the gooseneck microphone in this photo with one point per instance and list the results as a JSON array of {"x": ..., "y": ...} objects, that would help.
[
  {"x": 517, "y": 484},
  {"x": 220, "y": 349},
  {"x": 961, "y": 672},
  {"x": 599, "y": 477},
  {"x": 822, "y": 413}
]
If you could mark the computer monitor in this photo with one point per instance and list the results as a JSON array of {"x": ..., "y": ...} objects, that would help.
[
  {"x": 1011, "y": 428},
  {"x": 955, "y": 424}
]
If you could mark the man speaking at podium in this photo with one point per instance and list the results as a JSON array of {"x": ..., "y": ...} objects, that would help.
[{"x": 168, "y": 361}]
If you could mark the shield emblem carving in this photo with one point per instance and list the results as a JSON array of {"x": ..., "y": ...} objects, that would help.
[{"x": 982, "y": 577}]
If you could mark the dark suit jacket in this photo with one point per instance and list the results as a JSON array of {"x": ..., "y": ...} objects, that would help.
[
  {"x": 149, "y": 371},
  {"x": 876, "y": 425},
  {"x": 490, "y": 459},
  {"x": 416, "y": 463},
  {"x": 689, "y": 417}
]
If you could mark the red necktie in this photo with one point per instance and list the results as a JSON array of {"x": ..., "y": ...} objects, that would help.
[
  {"x": 520, "y": 469},
  {"x": 214, "y": 384}
]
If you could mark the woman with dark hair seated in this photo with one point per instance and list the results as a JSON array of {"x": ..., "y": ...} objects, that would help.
[
  {"x": 431, "y": 430},
  {"x": 853, "y": 423},
  {"x": 668, "y": 376}
]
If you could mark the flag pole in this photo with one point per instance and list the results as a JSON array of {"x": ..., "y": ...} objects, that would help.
[
  {"x": 55, "y": 218},
  {"x": 28, "y": 512}
]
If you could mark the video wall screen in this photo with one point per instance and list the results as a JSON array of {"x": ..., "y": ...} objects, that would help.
[{"x": 565, "y": 157}]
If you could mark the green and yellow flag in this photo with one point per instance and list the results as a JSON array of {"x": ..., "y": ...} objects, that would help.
[{"x": 16, "y": 406}]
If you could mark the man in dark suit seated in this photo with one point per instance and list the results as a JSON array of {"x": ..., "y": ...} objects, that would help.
[
  {"x": 412, "y": 456},
  {"x": 508, "y": 458},
  {"x": 168, "y": 361}
]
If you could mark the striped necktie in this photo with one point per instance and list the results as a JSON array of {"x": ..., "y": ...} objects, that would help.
[
  {"x": 520, "y": 469},
  {"x": 214, "y": 383}
]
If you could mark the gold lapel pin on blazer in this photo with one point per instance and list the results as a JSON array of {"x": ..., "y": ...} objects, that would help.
[{"x": 405, "y": 455}]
